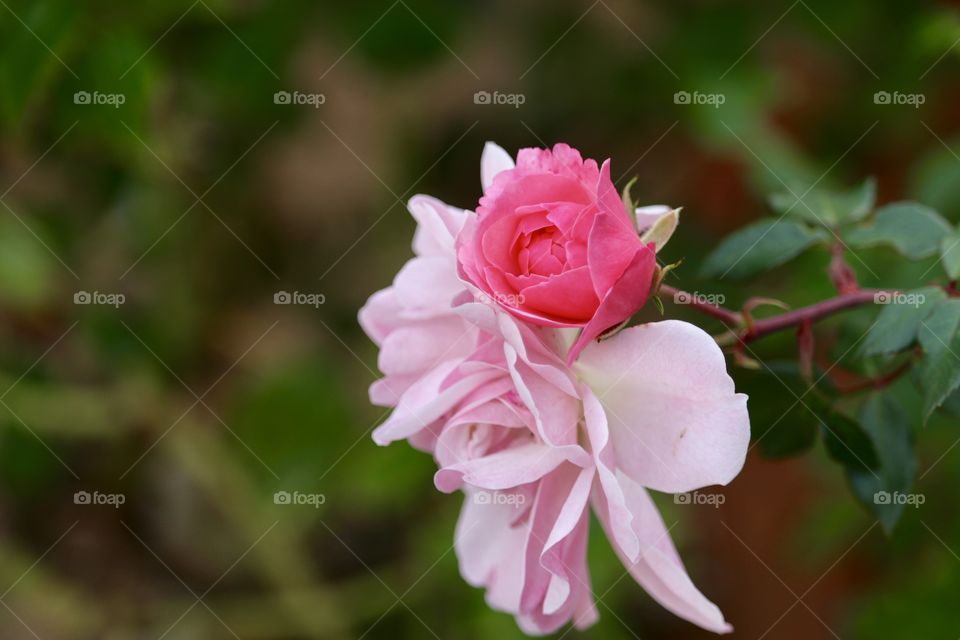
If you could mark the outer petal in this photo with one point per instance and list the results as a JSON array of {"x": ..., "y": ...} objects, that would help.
[
  {"x": 490, "y": 550},
  {"x": 424, "y": 402},
  {"x": 427, "y": 285},
  {"x": 626, "y": 296},
  {"x": 437, "y": 225},
  {"x": 557, "y": 584},
  {"x": 417, "y": 348},
  {"x": 617, "y": 513},
  {"x": 380, "y": 315},
  {"x": 506, "y": 469},
  {"x": 658, "y": 568},
  {"x": 493, "y": 160},
  {"x": 676, "y": 423}
]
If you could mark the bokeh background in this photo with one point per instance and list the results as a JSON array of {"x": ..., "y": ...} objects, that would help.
[{"x": 201, "y": 196}]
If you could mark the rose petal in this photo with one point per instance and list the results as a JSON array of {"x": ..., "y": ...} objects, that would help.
[
  {"x": 418, "y": 347},
  {"x": 493, "y": 160},
  {"x": 428, "y": 284},
  {"x": 676, "y": 423},
  {"x": 437, "y": 225},
  {"x": 423, "y": 402},
  {"x": 490, "y": 551},
  {"x": 658, "y": 567},
  {"x": 621, "y": 301},
  {"x": 507, "y": 469}
]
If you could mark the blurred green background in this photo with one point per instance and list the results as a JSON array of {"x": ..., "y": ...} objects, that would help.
[{"x": 146, "y": 154}]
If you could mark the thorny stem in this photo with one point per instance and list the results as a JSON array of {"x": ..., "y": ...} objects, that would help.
[
  {"x": 741, "y": 332},
  {"x": 878, "y": 382},
  {"x": 842, "y": 275}
]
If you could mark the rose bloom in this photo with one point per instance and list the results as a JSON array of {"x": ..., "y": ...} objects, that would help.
[
  {"x": 553, "y": 243},
  {"x": 536, "y": 443}
]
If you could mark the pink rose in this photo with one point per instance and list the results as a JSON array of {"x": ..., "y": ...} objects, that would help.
[
  {"x": 553, "y": 244},
  {"x": 536, "y": 444}
]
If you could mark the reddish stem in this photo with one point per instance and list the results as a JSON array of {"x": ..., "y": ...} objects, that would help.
[
  {"x": 766, "y": 326},
  {"x": 732, "y": 318},
  {"x": 878, "y": 382},
  {"x": 841, "y": 273},
  {"x": 810, "y": 313}
]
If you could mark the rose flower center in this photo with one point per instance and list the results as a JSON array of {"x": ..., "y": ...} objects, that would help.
[{"x": 541, "y": 252}]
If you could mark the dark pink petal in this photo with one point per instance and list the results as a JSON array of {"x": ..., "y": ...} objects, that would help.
[{"x": 626, "y": 296}]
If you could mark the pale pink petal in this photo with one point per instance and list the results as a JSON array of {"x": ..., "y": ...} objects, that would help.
[
  {"x": 552, "y": 558},
  {"x": 428, "y": 284},
  {"x": 490, "y": 550},
  {"x": 493, "y": 160},
  {"x": 437, "y": 226},
  {"x": 424, "y": 402},
  {"x": 556, "y": 571},
  {"x": 381, "y": 315},
  {"x": 555, "y": 413},
  {"x": 416, "y": 348},
  {"x": 478, "y": 431},
  {"x": 676, "y": 423},
  {"x": 507, "y": 469},
  {"x": 618, "y": 514},
  {"x": 658, "y": 568},
  {"x": 386, "y": 392}
]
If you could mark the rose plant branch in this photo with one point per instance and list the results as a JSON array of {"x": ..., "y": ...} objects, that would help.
[{"x": 744, "y": 331}]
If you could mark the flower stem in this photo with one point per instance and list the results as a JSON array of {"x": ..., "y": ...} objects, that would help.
[{"x": 741, "y": 333}]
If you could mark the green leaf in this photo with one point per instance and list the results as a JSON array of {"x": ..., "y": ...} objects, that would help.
[
  {"x": 951, "y": 405},
  {"x": 627, "y": 197},
  {"x": 845, "y": 440},
  {"x": 888, "y": 428},
  {"x": 760, "y": 246},
  {"x": 780, "y": 426},
  {"x": 912, "y": 229},
  {"x": 940, "y": 376},
  {"x": 950, "y": 254},
  {"x": 785, "y": 438},
  {"x": 938, "y": 329},
  {"x": 828, "y": 208},
  {"x": 897, "y": 325}
]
